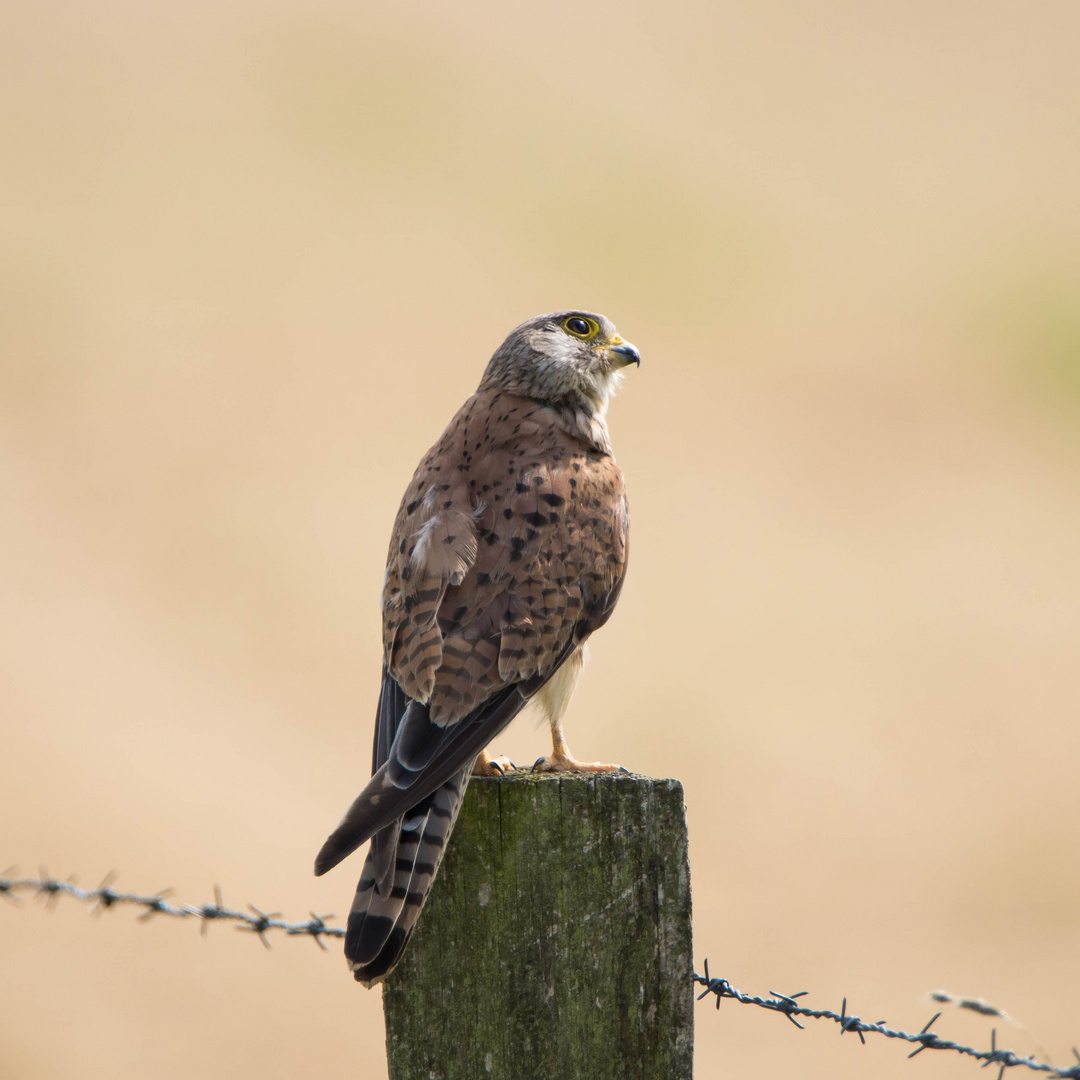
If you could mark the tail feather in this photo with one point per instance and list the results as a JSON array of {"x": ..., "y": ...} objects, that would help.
[
  {"x": 383, "y": 855},
  {"x": 382, "y": 918}
]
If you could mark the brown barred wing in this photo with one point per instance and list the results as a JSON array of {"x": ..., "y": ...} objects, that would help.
[{"x": 551, "y": 547}]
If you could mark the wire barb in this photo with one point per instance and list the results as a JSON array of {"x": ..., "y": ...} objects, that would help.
[{"x": 789, "y": 1006}]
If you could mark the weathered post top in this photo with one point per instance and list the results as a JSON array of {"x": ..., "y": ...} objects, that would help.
[{"x": 556, "y": 941}]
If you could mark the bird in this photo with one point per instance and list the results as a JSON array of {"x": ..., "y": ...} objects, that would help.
[{"x": 508, "y": 551}]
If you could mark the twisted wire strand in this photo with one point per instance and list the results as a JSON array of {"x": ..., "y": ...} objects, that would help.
[
  {"x": 102, "y": 898},
  {"x": 788, "y": 1005}
]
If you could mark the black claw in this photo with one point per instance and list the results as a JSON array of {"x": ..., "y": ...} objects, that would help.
[{"x": 538, "y": 762}]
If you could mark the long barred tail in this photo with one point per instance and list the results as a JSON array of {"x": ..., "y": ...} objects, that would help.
[
  {"x": 408, "y": 809},
  {"x": 400, "y": 867}
]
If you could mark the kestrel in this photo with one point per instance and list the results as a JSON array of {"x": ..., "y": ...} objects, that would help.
[{"x": 508, "y": 551}]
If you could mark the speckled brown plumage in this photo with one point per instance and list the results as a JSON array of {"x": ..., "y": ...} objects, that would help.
[
  {"x": 498, "y": 563},
  {"x": 508, "y": 551}
]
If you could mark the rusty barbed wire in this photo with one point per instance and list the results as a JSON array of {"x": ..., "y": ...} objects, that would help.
[
  {"x": 788, "y": 1005},
  {"x": 105, "y": 896}
]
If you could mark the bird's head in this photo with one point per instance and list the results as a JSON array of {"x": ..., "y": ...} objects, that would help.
[{"x": 568, "y": 358}]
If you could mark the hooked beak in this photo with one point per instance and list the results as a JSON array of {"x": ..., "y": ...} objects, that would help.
[{"x": 626, "y": 353}]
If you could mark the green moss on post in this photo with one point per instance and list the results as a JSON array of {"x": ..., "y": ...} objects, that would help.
[{"x": 555, "y": 944}]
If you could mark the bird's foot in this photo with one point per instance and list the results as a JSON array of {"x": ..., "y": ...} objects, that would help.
[
  {"x": 489, "y": 766},
  {"x": 564, "y": 762}
]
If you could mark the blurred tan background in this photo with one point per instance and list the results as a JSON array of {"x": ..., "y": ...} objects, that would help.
[{"x": 252, "y": 258}]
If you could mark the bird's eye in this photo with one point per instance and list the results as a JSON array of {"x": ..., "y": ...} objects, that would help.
[{"x": 580, "y": 327}]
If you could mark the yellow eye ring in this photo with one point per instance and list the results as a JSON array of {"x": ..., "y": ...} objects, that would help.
[{"x": 580, "y": 326}]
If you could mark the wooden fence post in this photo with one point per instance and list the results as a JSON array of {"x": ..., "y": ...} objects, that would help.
[{"x": 556, "y": 942}]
